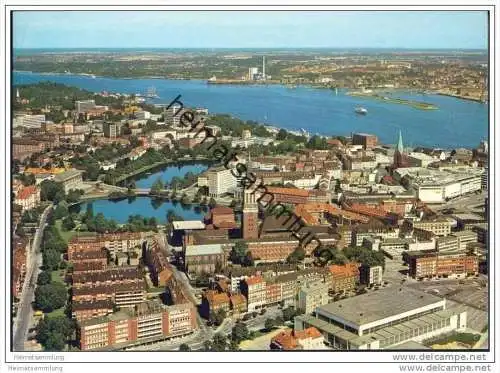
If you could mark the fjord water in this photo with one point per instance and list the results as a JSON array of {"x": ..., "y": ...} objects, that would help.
[{"x": 457, "y": 123}]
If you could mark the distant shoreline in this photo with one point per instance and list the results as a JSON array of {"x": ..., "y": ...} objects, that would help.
[
  {"x": 230, "y": 82},
  {"x": 460, "y": 97}
]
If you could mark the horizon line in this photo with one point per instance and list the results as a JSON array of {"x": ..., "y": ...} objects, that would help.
[{"x": 266, "y": 48}]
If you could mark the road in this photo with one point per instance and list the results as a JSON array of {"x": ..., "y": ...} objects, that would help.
[{"x": 25, "y": 309}]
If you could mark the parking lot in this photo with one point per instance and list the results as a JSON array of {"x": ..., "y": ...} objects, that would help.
[{"x": 469, "y": 295}]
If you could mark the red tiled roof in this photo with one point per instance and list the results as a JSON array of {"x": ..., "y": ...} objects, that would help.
[
  {"x": 225, "y": 224},
  {"x": 286, "y": 340},
  {"x": 311, "y": 332},
  {"x": 238, "y": 299},
  {"x": 289, "y": 191},
  {"x": 222, "y": 210},
  {"x": 253, "y": 280},
  {"x": 346, "y": 270},
  {"x": 26, "y": 192},
  {"x": 215, "y": 298}
]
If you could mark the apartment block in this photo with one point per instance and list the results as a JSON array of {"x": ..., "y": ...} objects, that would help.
[
  {"x": 254, "y": 289},
  {"x": 146, "y": 322},
  {"x": 344, "y": 277},
  {"x": 312, "y": 295},
  {"x": 438, "y": 264}
]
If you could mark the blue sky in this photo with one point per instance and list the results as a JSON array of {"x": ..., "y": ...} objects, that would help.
[{"x": 197, "y": 29}]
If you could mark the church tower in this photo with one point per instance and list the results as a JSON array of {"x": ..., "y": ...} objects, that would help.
[
  {"x": 250, "y": 215},
  {"x": 399, "y": 156}
]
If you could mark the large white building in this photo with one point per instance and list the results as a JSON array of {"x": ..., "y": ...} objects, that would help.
[
  {"x": 438, "y": 186},
  {"x": 29, "y": 121},
  {"x": 84, "y": 106},
  {"x": 304, "y": 182},
  {"x": 143, "y": 115},
  {"x": 220, "y": 181},
  {"x": 420, "y": 159},
  {"x": 382, "y": 319}
]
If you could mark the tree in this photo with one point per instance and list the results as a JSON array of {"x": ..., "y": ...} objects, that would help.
[
  {"x": 61, "y": 210},
  {"x": 50, "y": 297},
  {"x": 51, "y": 259},
  {"x": 51, "y": 191},
  {"x": 239, "y": 332},
  {"x": 281, "y": 135},
  {"x": 74, "y": 195},
  {"x": 365, "y": 256},
  {"x": 218, "y": 317},
  {"x": 239, "y": 252},
  {"x": 30, "y": 216},
  {"x": 317, "y": 142},
  {"x": 297, "y": 255},
  {"x": 233, "y": 346},
  {"x": 54, "y": 342},
  {"x": 157, "y": 186},
  {"x": 27, "y": 179},
  {"x": 68, "y": 223},
  {"x": 279, "y": 321},
  {"x": 53, "y": 240},
  {"x": 289, "y": 313},
  {"x": 184, "y": 347},
  {"x": 219, "y": 343},
  {"x": 44, "y": 278},
  {"x": 53, "y": 333},
  {"x": 248, "y": 261},
  {"x": 269, "y": 324},
  {"x": 212, "y": 203}
]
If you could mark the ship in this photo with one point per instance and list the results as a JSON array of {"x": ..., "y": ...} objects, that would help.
[
  {"x": 360, "y": 110},
  {"x": 151, "y": 93}
]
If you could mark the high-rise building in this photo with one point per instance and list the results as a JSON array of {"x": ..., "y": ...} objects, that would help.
[
  {"x": 368, "y": 141},
  {"x": 484, "y": 179},
  {"x": 220, "y": 181},
  {"x": 252, "y": 73},
  {"x": 250, "y": 215},
  {"x": 369, "y": 275},
  {"x": 112, "y": 130},
  {"x": 264, "y": 68},
  {"x": 173, "y": 115}
]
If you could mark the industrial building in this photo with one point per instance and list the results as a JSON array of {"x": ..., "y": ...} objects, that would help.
[{"x": 382, "y": 319}]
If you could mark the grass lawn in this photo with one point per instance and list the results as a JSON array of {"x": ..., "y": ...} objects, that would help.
[
  {"x": 66, "y": 235},
  {"x": 56, "y": 313},
  {"x": 56, "y": 276},
  {"x": 468, "y": 339}
]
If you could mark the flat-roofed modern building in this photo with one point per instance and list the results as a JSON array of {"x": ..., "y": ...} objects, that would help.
[
  {"x": 382, "y": 319},
  {"x": 148, "y": 322}
]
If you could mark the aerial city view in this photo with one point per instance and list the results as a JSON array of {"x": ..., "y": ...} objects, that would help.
[{"x": 278, "y": 182}]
